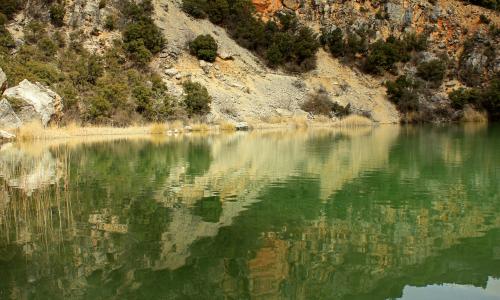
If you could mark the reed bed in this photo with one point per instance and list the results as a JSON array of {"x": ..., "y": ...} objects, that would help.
[
  {"x": 474, "y": 116},
  {"x": 35, "y": 218}
]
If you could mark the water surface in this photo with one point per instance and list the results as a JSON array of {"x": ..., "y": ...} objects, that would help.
[{"x": 383, "y": 213}]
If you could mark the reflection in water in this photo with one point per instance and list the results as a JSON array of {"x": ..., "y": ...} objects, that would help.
[{"x": 276, "y": 215}]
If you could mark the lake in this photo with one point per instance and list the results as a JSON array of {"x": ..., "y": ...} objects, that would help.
[{"x": 374, "y": 213}]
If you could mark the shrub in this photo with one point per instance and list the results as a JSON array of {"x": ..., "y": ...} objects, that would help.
[
  {"x": 403, "y": 93},
  {"x": 204, "y": 47},
  {"x": 218, "y": 11},
  {"x": 47, "y": 46},
  {"x": 195, "y": 8},
  {"x": 138, "y": 52},
  {"x": 34, "y": 31},
  {"x": 141, "y": 37},
  {"x": 459, "y": 98},
  {"x": 197, "y": 100},
  {"x": 102, "y": 4},
  {"x": 414, "y": 42},
  {"x": 147, "y": 33},
  {"x": 110, "y": 23},
  {"x": 492, "y": 4},
  {"x": 432, "y": 71},
  {"x": 382, "y": 57},
  {"x": 57, "y": 12},
  {"x": 321, "y": 104},
  {"x": 10, "y": 7},
  {"x": 484, "y": 19},
  {"x": 334, "y": 41},
  {"x": 6, "y": 40}
]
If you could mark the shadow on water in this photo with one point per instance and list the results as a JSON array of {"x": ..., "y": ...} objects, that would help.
[{"x": 322, "y": 214}]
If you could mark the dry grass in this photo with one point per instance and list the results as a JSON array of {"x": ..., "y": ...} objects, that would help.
[
  {"x": 158, "y": 128},
  {"x": 353, "y": 121},
  {"x": 299, "y": 122},
  {"x": 200, "y": 127},
  {"x": 227, "y": 126},
  {"x": 473, "y": 116},
  {"x": 35, "y": 131}
]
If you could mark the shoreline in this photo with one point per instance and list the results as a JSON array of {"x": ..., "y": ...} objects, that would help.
[{"x": 36, "y": 132}]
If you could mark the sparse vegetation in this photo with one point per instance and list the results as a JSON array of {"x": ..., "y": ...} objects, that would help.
[
  {"x": 281, "y": 43},
  {"x": 320, "y": 104}
]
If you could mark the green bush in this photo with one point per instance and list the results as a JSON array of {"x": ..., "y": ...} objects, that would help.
[
  {"x": 487, "y": 98},
  {"x": 6, "y": 40},
  {"x": 432, "y": 71},
  {"x": 141, "y": 37},
  {"x": 382, "y": 57},
  {"x": 403, "y": 93},
  {"x": 47, "y": 46},
  {"x": 492, "y": 4},
  {"x": 102, "y": 4},
  {"x": 459, "y": 98},
  {"x": 110, "y": 23},
  {"x": 57, "y": 12},
  {"x": 204, "y": 47},
  {"x": 334, "y": 41},
  {"x": 195, "y": 8},
  {"x": 218, "y": 11},
  {"x": 147, "y": 33},
  {"x": 10, "y": 7},
  {"x": 484, "y": 19},
  {"x": 197, "y": 100}
]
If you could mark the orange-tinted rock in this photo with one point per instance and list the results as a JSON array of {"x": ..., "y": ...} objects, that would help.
[{"x": 267, "y": 6}]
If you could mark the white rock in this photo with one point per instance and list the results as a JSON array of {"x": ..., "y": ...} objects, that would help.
[
  {"x": 242, "y": 126},
  {"x": 4, "y": 135},
  {"x": 224, "y": 55},
  {"x": 8, "y": 118},
  {"x": 205, "y": 66},
  {"x": 38, "y": 98},
  {"x": 171, "y": 72}
]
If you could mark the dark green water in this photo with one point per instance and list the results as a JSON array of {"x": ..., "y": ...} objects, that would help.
[{"x": 377, "y": 213}]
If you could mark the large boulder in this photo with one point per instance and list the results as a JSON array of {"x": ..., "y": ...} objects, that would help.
[
  {"x": 3, "y": 81},
  {"x": 33, "y": 101},
  {"x": 8, "y": 118}
]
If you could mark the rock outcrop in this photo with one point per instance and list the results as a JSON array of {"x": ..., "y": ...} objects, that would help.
[
  {"x": 267, "y": 7},
  {"x": 35, "y": 102},
  {"x": 8, "y": 118}
]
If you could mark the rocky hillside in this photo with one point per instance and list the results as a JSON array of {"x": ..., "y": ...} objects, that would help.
[
  {"x": 463, "y": 37},
  {"x": 119, "y": 62}
]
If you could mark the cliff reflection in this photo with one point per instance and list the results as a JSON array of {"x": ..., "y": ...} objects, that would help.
[{"x": 273, "y": 215}]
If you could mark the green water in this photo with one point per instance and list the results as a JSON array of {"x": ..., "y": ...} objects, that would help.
[{"x": 384, "y": 213}]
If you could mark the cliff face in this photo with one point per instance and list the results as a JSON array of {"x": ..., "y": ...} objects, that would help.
[{"x": 461, "y": 35}]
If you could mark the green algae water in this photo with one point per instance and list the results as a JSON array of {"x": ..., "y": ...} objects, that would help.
[{"x": 376, "y": 213}]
